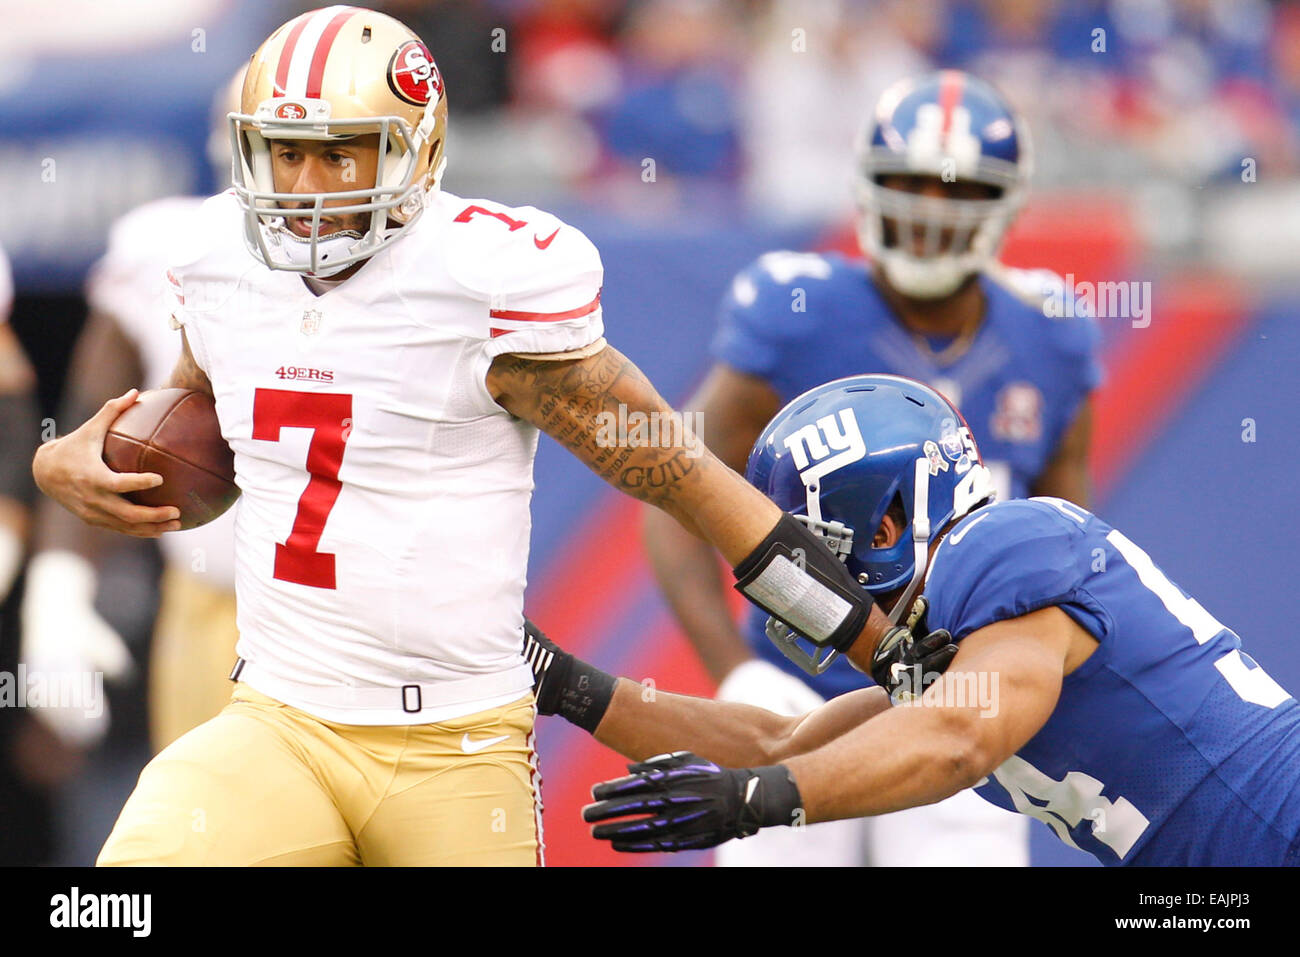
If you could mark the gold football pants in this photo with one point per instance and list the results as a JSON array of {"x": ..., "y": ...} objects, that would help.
[{"x": 265, "y": 783}]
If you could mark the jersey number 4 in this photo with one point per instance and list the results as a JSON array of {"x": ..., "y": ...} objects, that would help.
[{"x": 329, "y": 416}]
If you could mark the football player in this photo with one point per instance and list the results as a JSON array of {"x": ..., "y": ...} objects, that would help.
[
  {"x": 942, "y": 169},
  {"x": 1088, "y": 690},
  {"x": 127, "y": 341},
  {"x": 383, "y": 355}
]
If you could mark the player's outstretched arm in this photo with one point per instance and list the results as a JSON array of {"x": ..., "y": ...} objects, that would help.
[
  {"x": 904, "y": 757},
  {"x": 999, "y": 691},
  {"x": 681, "y": 476},
  {"x": 638, "y": 722},
  {"x": 780, "y": 565},
  {"x": 730, "y": 409}
]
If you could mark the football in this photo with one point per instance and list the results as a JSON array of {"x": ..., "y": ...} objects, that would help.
[{"x": 175, "y": 433}]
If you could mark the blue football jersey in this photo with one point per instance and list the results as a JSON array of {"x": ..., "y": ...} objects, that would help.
[
  {"x": 798, "y": 320},
  {"x": 1169, "y": 745}
]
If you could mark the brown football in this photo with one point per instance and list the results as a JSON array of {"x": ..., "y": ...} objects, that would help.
[{"x": 175, "y": 433}]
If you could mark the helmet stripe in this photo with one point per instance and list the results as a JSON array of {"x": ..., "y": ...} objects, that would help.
[
  {"x": 286, "y": 54},
  {"x": 322, "y": 53},
  {"x": 303, "y": 55},
  {"x": 950, "y": 90}
]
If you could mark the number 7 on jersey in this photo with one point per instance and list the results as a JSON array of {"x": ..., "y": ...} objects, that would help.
[{"x": 329, "y": 416}]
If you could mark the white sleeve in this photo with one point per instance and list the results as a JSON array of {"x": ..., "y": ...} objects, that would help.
[{"x": 542, "y": 283}]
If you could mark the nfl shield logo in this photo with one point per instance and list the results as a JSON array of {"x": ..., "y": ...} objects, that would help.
[{"x": 310, "y": 322}]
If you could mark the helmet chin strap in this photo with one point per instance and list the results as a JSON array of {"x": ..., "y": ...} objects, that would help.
[
  {"x": 297, "y": 250},
  {"x": 920, "y": 539}
]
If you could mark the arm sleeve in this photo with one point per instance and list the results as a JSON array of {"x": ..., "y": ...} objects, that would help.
[
  {"x": 541, "y": 282},
  {"x": 748, "y": 338}
]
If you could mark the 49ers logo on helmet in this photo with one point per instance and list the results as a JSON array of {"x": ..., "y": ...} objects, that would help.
[
  {"x": 290, "y": 111},
  {"x": 412, "y": 74}
]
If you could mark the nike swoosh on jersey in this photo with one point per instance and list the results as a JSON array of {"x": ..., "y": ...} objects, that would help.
[
  {"x": 958, "y": 536},
  {"x": 473, "y": 747},
  {"x": 543, "y": 243}
]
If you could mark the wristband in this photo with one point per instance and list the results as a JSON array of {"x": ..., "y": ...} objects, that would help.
[{"x": 798, "y": 580}]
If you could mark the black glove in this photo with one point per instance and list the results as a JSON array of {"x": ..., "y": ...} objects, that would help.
[
  {"x": 564, "y": 685},
  {"x": 680, "y": 802},
  {"x": 905, "y": 664}
]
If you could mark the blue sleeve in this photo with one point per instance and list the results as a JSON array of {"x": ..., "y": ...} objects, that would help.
[
  {"x": 758, "y": 326},
  {"x": 1007, "y": 560}
]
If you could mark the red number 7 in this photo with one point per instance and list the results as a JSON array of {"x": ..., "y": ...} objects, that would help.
[
  {"x": 466, "y": 214},
  {"x": 329, "y": 416}
]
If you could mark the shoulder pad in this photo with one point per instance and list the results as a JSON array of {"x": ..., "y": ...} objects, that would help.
[
  {"x": 1005, "y": 560},
  {"x": 520, "y": 257},
  {"x": 1040, "y": 289}
]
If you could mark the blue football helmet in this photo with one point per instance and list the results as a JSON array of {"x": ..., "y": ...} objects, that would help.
[
  {"x": 838, "y": 456},
  {"x": 956, "y": 127}
]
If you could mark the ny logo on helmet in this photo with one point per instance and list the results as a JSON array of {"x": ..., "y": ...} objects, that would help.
[{"x": 812, "y": 446}]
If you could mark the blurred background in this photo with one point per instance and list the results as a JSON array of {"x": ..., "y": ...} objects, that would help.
[{"x": 686, "y": 137}]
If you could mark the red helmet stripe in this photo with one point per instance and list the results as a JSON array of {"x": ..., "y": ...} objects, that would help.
[
  {"x": 322, "y": 53},
  {"x": 950, "y": 90},
  {"x": 286, "y": 56}
]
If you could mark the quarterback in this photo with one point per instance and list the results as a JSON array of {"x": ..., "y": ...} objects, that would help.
[
  {"x": 383, "y": 355},
  {"x": 1123, "y": 715}
]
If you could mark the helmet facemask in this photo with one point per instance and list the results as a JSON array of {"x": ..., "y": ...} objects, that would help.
[
  {"x": 393, "y": 203},
  {"x": 959, "y": 237}
]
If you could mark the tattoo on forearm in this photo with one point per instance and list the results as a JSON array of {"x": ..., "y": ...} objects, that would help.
[{"x": 566, "y": 399}]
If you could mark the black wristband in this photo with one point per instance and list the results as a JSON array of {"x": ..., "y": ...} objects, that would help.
[
  {"x": 797, "y": 579},
  {"x": 780, "y": 796},
  {"x": 580, "y": 693}
]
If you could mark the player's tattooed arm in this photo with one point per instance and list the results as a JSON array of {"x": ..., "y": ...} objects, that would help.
[
  {"x": 1066, "y": 474},
  {"x": 187, "y": 374},
  {"x": 604, "y": 410}
]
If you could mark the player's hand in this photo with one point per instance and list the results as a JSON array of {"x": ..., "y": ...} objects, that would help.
[
  {"x": 763, "y": 684},
  {"x": 680, "y": 802},
  {"x": 71, "y": 471},
  {"x": 65, "y": 641},
  {"x": 910, "y": 658}
]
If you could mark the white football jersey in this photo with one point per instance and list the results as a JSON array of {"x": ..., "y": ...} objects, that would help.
[
  {"x": 129, "y": 283},
  {"x": 382, "y": 534}
]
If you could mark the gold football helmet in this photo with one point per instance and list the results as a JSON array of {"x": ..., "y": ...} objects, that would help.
[{"x": 333, "y": 74}]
